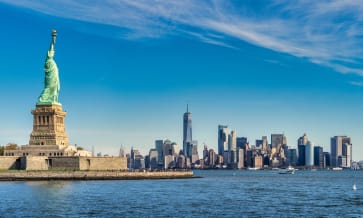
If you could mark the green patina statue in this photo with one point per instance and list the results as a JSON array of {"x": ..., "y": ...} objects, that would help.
[{"x": 50, "y": 92}]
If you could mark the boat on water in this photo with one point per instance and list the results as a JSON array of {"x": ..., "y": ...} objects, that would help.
[
  {"x": 337, "y": 168},
  {"x": 354, "y": 187},
  {"x": 289, "y": 170},
  {"x": 253, "y": 168}
]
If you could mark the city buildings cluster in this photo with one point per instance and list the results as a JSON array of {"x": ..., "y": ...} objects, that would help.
[{"x": 238, "y": 153}]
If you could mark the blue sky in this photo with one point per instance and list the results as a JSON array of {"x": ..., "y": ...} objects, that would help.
[{"x": 128, "y": 69}]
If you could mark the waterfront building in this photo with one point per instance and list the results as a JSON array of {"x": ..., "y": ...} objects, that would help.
[
  {"x": 147, "y": 162},
  {"x": 309, "y": 154},
  {"x": 187, "y": 132},
  {"x": 167, "y": 147},
  {"x": 278, "y": 149},
  {"x": 159, "y": 146},
  {"x": 139, "y": 162},
  {"x": 277, "y": 140},
  {"x": 258, "y": 161},
  {"x": 342, "y": 160},
  {"x": 301, "y": 155},
  {"x": 175, "y": 149},
  {"x": 169, "y": 162},
  {"x": 153, "y": 158},
  {"x": 195, "y": 155},
  {"x": 301, "y": 144},
  {"x": 240, "y": 158},
  {"x": 250, "y": 158},
  {"x": 259, "y": 143},
  {"x": 223, "y": 133},
  {"x": 265, "y": 146},
  {"x": 181, "y": 163},
  {"x": 188, "y": 163},
  {"x": 232, "y": 148},
  {"x": 292, "y": 159},
  {"x": 347, "y": 152},
  {"x": 319, "y": 157},
  {"x": 212, "y": 158},
  {"x": 242, "y": 142},
  {"x": 327, "y": 159},
  {"x": 275, "y": 162},
  {"x": 220, "y": 160},
  {"x": 266, "y": 160},
  {"x": 225, "y": 157},
  {"x": 205, "y": 152},
  {"x": 336, "y": 146}
]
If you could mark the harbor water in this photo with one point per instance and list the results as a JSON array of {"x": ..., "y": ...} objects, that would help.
[{"x": 227, "y": 193}]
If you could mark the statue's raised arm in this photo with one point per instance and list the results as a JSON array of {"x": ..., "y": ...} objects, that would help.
[{"x": 51, "y": 89}]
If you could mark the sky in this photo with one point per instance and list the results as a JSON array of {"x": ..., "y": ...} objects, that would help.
[{"x": 129, "y": 68}]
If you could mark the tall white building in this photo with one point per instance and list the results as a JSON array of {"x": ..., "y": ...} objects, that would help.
[
  {"x": 347, "y": 152},
  {"x": 309, "y": 154}
]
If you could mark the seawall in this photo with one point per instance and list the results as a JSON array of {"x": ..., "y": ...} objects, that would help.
[{"x": 91, "y": 175}]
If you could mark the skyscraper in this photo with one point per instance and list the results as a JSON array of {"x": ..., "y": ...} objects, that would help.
[
  {"x": 153, "y": 158},
  {"x": 159, "y": 145},
  {"x": 319, "y": 157},
  {"x": 240, "y": 158},
  {"x": 277, "y": 140},
  {"x": 301, "y": 143},
  {"x": 232, "y": 148},
  {"x": 347, "y": 152},
  {"x": 187, "y": 132},
  {"x": 292, "y": 157},
  {"x": 309, "y": 154},
  {"x": 242, "y": 142},
  {"x": 303, "y": 140},
  {"x": 336, "y": 146},
  {"x": 223, "y": 133}
]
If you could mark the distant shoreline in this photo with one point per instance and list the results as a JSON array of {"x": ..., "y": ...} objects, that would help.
[{"x": 92, "y": 175}]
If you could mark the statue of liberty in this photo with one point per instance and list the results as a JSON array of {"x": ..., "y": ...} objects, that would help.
[{"x": 51, "y": 89}]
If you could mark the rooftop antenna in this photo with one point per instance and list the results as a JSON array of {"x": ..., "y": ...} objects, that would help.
[{"x": 187, "y": 108}]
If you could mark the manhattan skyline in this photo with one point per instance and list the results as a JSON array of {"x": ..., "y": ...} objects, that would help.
[{"x": 128, "y": 70}]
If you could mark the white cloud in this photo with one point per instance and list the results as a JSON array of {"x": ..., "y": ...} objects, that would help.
[
  {"x": 354, "y": 83},
  {"x": 329, "y": 33}
]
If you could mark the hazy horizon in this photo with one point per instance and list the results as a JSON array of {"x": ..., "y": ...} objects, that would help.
[{"x": 129, "y": 68}]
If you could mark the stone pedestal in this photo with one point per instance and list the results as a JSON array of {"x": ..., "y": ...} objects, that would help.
[{"x": 48, "y": 127}]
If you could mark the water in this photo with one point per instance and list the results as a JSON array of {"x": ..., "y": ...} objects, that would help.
[{"x": 220, "y": 193}]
